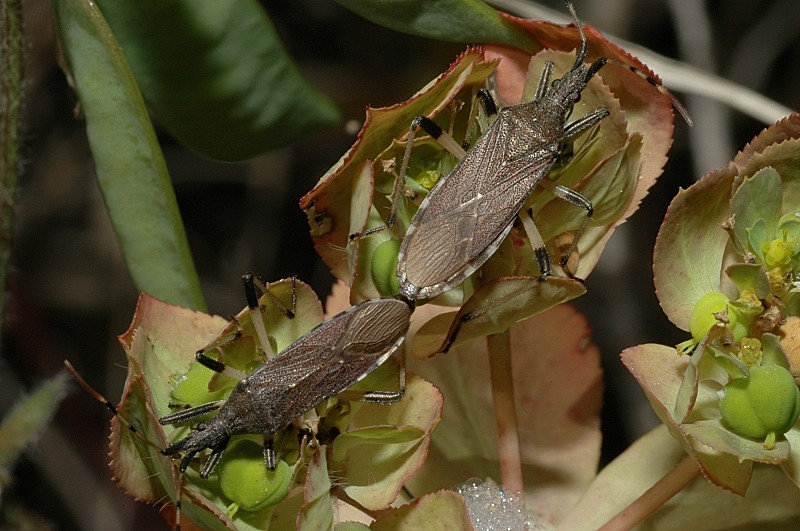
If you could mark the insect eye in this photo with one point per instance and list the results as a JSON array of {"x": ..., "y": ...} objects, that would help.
[
  {"x": 575, "y": 97},
  {"x": 556, "y": 83}
]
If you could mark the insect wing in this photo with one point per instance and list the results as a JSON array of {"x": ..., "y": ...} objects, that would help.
[
  {"x": 332, "y": 357},
  {"x": 467, "y": 215}
]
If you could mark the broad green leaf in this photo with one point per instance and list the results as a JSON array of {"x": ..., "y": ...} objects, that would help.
[
  {"x": 373, "y": 474},
  {"x": 749, "y": 276},
  {"x": 216, "y": 75},
  {"x": 382, "y": 435},
  {"x": 689, "y": 251},
  {"x": 467, "y": 21},
  {"x": 622, "y": 481},
  {"x": 130, "y": 166},
  {"x": 775, "y": 147},
  {"x": 713, "y": 434}
]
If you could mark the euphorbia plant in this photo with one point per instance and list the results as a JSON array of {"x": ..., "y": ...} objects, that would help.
[{"x": 726, "y": 269}]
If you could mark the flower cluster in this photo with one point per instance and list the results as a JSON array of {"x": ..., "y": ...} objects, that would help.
[{"x": 727, "y": 265}]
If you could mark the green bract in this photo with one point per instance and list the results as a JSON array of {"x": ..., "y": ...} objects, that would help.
[
  {"x": 764, "y": 405},
  {"x": 728, "y": 251},
  {"x": 384, "y": 262}
]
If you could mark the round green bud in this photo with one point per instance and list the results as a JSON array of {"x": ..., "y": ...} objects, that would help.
[
  {"x": 703, "y": 316},
  {"x": 383, "y": 267},
  {"x": 245, "y": 479},
  {"x": 764, "y": 405}
]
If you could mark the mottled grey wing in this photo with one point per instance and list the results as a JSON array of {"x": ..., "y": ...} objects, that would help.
[
  {"x": 335, "y": 355},
  {"x": 464, "y": 219}
]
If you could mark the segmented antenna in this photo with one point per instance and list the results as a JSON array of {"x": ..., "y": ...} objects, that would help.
[
  {"x": 581, "y": 56},
  {"x": 136, "y": 433}
]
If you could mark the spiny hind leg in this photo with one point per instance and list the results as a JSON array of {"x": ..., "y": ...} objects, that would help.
[{"x": 382, "y": 397}]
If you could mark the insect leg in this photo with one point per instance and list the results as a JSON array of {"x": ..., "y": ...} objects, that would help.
[
  {"x": 542, "y": 256},
  {"x": 188, "y": 414},
  {"x": 382, "y": 397},
  {"x": 580, "y": 125},
  {"x": 544, "y": 81},
  {"x": 270, "y": 459},
  {"x": 213, "y": 459},
  {"x": 218, "y": 366},
  {"x": 251, "y": 283},
  {"x": 574, "y": 198}
]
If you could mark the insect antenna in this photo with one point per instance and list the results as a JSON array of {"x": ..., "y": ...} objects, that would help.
[
  {"x": 132, "y": 428},
  {"x": 581, "y": 56},
  {"x": 659, "y": 87}
]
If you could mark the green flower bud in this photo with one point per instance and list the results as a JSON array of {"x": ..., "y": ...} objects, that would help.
[
  {"x": 764, "y": 405},
  {"x": 246, "y": 481},
  {"x": 384, "y": 263},
  {"x": 780, "y": 251},
  {"x": 704, "y": 316}
]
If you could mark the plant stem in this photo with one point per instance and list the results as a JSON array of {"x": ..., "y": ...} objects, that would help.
[
  {"x": 505, "y": 410},
  {"x": 12, "y": 58},
  {"x": 676, "y": 480}
]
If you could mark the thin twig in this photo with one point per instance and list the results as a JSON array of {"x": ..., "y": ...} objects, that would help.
[
  {"x": 505, "y": 411},
  {"x": 656, "y": 496}
]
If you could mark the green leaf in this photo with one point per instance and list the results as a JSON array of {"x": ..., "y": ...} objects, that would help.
[
  {"x": 444, "y": 510},
  {"x": 130, "y": 166},
  {"x": 216, "y": 75},
  {"x": 749, "y": 276},
  {"x": 376, "y": 435},
  {"x": 317, "y": 511},
  {"x": 467, "y": 21},
  {"x": 689, "y": 251},
  {"x": 23, "y": 425},
  {"x": 373, "y": 472},
  {"x": 758, "y": 199}
]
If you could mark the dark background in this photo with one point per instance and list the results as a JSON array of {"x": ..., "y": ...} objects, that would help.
[{"x": 70, "y": 295}]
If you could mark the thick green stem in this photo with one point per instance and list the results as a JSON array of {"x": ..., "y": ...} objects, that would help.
[
  {"x": 505, "y": 410},
  {"x": 11, "y": 92}
]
